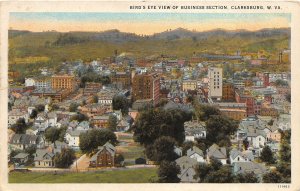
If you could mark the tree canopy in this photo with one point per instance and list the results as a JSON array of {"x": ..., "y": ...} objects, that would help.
[
  {"x": 65, "y": 158},
  {"x": 90, "y": 140},
  {"x": 154, "y": 123},
  {"x": 112, "y": 122},
  {"x": 163, "y": 149},
  {"x": 20, "y": 126},
  {"x": 120, "y": 102},
  {"x": 267, "y": 155},
  {"x": 168, "y": 171}
]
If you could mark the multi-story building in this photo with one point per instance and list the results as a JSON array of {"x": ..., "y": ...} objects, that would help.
[
  {"x": 64, "y": 81},
  {"x": 146, "y": 86},
  {"x": 189, "y": 85},
  {"x": 121, "y": 79},
  {"x": 92, "y": 88},
  {"x": 228, "y": 93},
  {"x": 215, "y": 84},
  {"x": 43, "y": 82}
]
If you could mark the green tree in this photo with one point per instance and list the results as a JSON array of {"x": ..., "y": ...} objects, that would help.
[
  {"x": 163, "y": 149},
  {"x": 95, "y": 99},
  {"x": 120, "y": 102},
  {"x": 31, "y": 150},
  {"x": 219, "y": 129},
  {"x": 20, "y": 126},
  {"x": 272, "y": 177},
  {"x": 203, "y": 112},
  {"x": 40, "y": 108},
  {"x": 65, "y": 158},
  {"x": 73, "y": 107},
  {"x": 90, "y": 140},
  {"x": 33, "y": 114},
  {"x": 119, "y": 159},
  {"x": 112, "y": 122},
  {"x": 223, "y": 175},
  {"x": 79, "y": 117},
  {"x": 168, "y": 172},
  {"x": 267, "y": 155},
  {"x": 248, "y": 177},
  {"x": 52, "y": 134},
  {"x": 154, "y": 123}
]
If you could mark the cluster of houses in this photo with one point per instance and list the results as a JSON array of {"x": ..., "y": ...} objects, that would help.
[{"x": 257, "y": 131}]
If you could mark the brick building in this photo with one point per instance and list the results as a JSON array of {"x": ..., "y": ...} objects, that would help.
[{"x": 146, "y": 86}]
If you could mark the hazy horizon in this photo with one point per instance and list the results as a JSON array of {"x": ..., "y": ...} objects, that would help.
[{"x": 144, "y": 23}]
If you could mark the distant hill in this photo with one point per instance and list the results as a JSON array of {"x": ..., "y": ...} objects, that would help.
[{"x": 58, "y": 46}]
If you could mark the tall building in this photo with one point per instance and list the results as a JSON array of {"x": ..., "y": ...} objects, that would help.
[
  {"x": 228, "y": 93},
  {"x": 146, "y": 86},
  {"x": 121, "y": 79},
  {"x": 215, "y": 83},
  {"x": 64, "y": 81}
]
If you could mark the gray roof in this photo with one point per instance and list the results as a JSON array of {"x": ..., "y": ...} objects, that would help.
[
  {"x": 217, "y": 152},
  {"x": 21, "y": 156},
  {"x": 193, "y": 150},
  {"x": 107, "y": 146},
  {"x": 247, "y": 167},
  {"x": 23, "y": 139},
  {"x": 41, "y": 153},
  {"x": 76, "y": 133},
  {"x": 186, "y": 162},
  {"x": 246, "y": 154}
]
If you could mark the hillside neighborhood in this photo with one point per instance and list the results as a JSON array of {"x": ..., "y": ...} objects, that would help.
[{"x": 205, "y": 118}]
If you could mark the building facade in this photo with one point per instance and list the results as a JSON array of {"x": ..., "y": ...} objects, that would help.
[
  {"x": 63, "y": 82},
  {"x": 146, "y": 86},
  {"x": 215, "y": 84}
]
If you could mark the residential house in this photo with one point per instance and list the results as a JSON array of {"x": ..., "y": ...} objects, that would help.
[
  {"x": 247, "y": 167},
  {"x": 123, "y": 125},
  {"x": 217, "y": 152},
  {"x": 240, "y": 156},
  {"x": 274, "y": 136},
  {"x": 178, "y": 151},
  {"x": 52, "y": 119},
  {"x": 256, "y": 139},
  {"x": 22, "y": 141},
  {"x": 44, "y": 158},
  {"x": 20, "y": 158},
  {"x": 105, "y": 157},
  {"x": 15, "y": 115},
  {"x": 196, "y": 153},
  {"x": 72, "y": 138},
  {"x": 194, "y": 130},
  {"x": 187, "y": 169},
  {"x": 42, "y": 122},
  {"x": 84, "y": 125},
  {"x": 100, "y": 121}
]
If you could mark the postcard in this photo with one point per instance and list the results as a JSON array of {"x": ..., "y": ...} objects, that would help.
[{"x": 143, "y": 95}]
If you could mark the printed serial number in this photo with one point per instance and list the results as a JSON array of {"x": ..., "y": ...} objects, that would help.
[{"x": 284, "y": 186}]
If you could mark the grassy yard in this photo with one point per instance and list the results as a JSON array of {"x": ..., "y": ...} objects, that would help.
[{"x": 141, "y": 175}]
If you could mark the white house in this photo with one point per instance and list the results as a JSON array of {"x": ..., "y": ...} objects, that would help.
[
  {"x": 256, "y": 140},
  {"x": 217, "y": 152},
  {"x": 15, "y": 115},
  {"x": 178, "y": 151},
  {"x": 41, "y": 121},
  {"x": 52, "y": 119},
  {"x": 72, "y": 138},
  {"x": 29, "y": 82},
  {"x": 196, "y": 153},
  {"x": 238, "y": 156}
]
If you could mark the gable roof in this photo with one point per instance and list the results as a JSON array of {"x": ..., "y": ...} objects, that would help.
[
  {"x": 23, "y": 139},
  {"x": 245, "y": 154},
  {"x": 194, "y": 150},
  {"x": 186, "y": 161},
  {"x": 246, "y": 167},
  {"x": 217, "y": 152},
  {"x": 21, "y": 155},
  {"x": 108, "y": 147},
  {"x": 41, "y": 153}
]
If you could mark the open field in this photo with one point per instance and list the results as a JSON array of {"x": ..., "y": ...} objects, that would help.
[{"x": 141, "y": 175}]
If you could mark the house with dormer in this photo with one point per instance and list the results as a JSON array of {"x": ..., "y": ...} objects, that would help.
[{"x": 240, "y": 156}]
